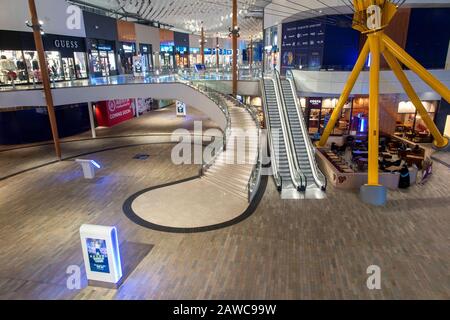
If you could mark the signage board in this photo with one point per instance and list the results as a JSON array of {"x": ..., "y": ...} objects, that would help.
[
  {"x": 181, "y": 109},
  {"x": 101, "y": 254},
  {"x": 314, "y": 102},
  {"x": 112, "y": 112},
  {"x": 200, "y": 67}
]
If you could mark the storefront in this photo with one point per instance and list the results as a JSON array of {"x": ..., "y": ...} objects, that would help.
[
  {"x": 126, "y": 35},
  {"x": 29, "y": 125},
  {"x": 66, "y": 58},
  {"x": 210, "y": 58},
  {"x": 194, "y": 56},
  {"x": 397, "y": 117},
  {"x": 102, "y": 58},
  {"x": 166, "y": 55},
  {"x": 146, "y": 53},
  {"x": 318, "y": 112},
  {"x": 182, "y": 57},
  {"x": 101, "y": 34},
  {"x": 167, "y": 49},
  {"x": 410, "y": 125},
  {"x": 181, "y": 43},
  {"x": 127, "y": 51}
]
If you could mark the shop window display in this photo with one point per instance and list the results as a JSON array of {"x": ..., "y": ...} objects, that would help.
[
  {"x": 33, "y": 66},
  {"x": 409, "y": 123},
  {"x": 80, "y": 65},
  {"x": 13, "y": 67},
  {"x": 55, "y": 65}
]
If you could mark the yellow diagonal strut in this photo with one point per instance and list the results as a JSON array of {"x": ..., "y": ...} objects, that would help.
[
  {"x": 440, "y": 141},
  {"x": 345, "y": 94}
]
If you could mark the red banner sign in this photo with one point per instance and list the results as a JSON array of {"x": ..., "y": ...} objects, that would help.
[{"x": 112, "y": 112}]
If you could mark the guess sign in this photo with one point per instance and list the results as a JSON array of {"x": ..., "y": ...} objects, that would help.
[
  {"x": 112, "y": 112},
  {"x": 68, "y": 44}
]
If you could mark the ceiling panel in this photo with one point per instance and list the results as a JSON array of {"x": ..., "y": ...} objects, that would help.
[{"x": 190, "y": 15}]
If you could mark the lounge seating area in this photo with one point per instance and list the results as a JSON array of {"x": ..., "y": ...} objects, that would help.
[{"x": 346, "y": 165}]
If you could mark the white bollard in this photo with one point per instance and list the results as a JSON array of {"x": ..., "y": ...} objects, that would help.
[{"x": 88, "y": 167}]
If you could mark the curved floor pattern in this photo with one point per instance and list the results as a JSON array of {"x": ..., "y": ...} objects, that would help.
[
  {"x": 205, "y": 203},
  {"x": 213, "y": 217}
]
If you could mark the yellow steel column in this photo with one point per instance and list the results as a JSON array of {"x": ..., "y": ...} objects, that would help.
[
  {"x": 412, "y": 64},
  {"x": 373, "y": 135},
  {"x": 440, "y": 141},
  {"x": 345, "y": 94}
]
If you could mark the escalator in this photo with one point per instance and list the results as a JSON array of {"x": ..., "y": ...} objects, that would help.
[
  {"x": 304, "y": 149},
  {"x": 284, "y": 170},
  {"x": 295, "y": 162}
]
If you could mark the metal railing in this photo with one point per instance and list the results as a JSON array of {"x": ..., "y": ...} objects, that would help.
[
  {"x": 319, "y": 177},
  {"x": 218, "y": 99},
  {"x": 255, "y": 177}
]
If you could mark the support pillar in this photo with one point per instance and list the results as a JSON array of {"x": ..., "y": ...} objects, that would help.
[
  {"x": 373, "y": 192},
  {"x": 250, "y": 60},
  {"x": 45, "y": 76},
  {"x": 202, "y": 45},
  {"x": 217, "y": 52},
  {"x": 235, "y": 45},
  {"x": 91, "y": 120}
]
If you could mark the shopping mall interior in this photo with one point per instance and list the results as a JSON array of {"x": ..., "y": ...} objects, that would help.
[{"x": 224, "y": 149}]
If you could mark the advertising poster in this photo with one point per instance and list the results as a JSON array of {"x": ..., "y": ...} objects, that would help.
[
  {"x": 98, "y": 255},
  {"x": 302, "y": 44},
  {"x": 181, "y": 109},
  {"x": 144, "y": 105},
  {"x": 112, "y": 112}
]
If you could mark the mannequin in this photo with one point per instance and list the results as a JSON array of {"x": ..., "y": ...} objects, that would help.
[{"x": 8, "y": 69}]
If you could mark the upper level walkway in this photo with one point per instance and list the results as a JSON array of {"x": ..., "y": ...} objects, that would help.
[{"x": 149, "y": 78}]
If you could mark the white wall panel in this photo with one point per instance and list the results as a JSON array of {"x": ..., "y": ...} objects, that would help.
[{"x": 53, "y": 13}]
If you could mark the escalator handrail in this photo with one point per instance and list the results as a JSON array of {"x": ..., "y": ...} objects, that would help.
[
  {"x": 301, "y": 180},
  {"x": 275, "y": 168},
  {"x": 319, "y": 177}
]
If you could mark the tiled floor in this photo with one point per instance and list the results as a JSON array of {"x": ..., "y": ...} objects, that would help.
[{"x": 296, "y": 249}]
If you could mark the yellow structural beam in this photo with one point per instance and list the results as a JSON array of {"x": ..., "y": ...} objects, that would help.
[
  {"x": 440, "y": 141},
  {"x": 345, "y": 94},
  {"x": 412, "y": 64},
  {"x": 373, "y": 134}
]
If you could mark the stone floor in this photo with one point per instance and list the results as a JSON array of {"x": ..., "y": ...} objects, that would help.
[
  {"x": 288, "y": 249},
  {"x": 145, "y": 129}
]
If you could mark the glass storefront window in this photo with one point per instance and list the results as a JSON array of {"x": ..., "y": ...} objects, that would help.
[
  {"x": 410, "y": 125},
  {"x": 112, "y": 62},
  {"x": 360, "y": 114},
  {"x": 68, "y": 66},
  {"x": 80, "y": 65},
  {"x": 13, "y": 67},
  {"x": 314, "y": 119},
  {"x": 55, "y": 65},
  {"x": 33, "y": 66}
]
